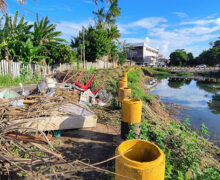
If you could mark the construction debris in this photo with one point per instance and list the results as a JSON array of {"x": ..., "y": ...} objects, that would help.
[
  {"x": 105, "y": 96},
  {"x": 47, "y": 83},
  {"x": 53, "y": 106},
  {"x": 8, "y": 94},
  {"x": 25, "y": 118},
  {"x": 65, "y": 116}
]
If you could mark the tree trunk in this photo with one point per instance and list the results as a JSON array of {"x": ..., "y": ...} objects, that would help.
[{"x": 9, "y": 63}]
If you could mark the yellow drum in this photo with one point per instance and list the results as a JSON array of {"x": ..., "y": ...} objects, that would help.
[
  {"x": 146, "y": 161},
  {"x": 131, "y": 110},
  {"x": 124, "y": 93},
  {"x": 122, "y": 84}
]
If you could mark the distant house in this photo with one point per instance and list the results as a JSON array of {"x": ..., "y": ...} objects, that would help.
[
  {"x": 162, "y": 61},
  {"x": 142, "y": 54}
]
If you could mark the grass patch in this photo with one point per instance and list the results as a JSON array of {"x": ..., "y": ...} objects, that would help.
[
  {"x": 7, "y": 81},
  {"x": 158, "y": 72},
  {"x": 134, "y": 82}
]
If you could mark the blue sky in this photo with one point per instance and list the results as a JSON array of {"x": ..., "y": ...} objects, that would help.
[{"x": 166, "y": 25}]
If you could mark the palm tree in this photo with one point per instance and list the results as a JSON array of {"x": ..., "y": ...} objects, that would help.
[
  {"x": 114, "y": 33},
  {"x": 113, "y": 12},
  {"x": 44, "y": 33},
  {"x": 107, "y": 15}
]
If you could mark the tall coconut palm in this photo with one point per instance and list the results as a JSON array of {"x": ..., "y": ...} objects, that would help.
[{"x": 107, "y": 14}]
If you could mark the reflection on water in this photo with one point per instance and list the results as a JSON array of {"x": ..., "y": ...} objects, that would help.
[
  {"x": 201, "y": 100},
  {"x": 214, "y": 104}
]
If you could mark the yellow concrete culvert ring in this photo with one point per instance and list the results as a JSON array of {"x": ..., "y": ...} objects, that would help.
[
  {"x": 145, "y": 161},
  {"x": 123, "y": 78},
  {"x": 124, "y": 93},
  {"x": 131, "y": 110},
  {"x": 122, "y": 84}
]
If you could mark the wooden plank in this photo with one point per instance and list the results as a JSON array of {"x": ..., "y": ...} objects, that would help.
[
  {"x": 75, "y": 116},
  {"x": 59, "y": 122}
]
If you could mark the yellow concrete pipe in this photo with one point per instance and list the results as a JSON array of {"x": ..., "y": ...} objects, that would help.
[
  {"x": 146, "y": 161},
  {"x": 124, "y": 79},
  {"x": 125, "y": 76},
  {"x": 122, "y": 84},
  {"x": 131, "y": 110},
  {"x": 124, "y": 93}
]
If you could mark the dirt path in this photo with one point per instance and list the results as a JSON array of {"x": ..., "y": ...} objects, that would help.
[{"x": 89, "y": 145}]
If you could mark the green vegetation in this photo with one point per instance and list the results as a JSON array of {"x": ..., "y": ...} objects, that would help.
[
  {"x": 37, "y": 43},
  {"x": 209, "y": 57},
  {"x": 178, "y": 57},
  {"x": 101, "y": 39},
  {"x": 97, "y": 43},
  {"x": 160, "y": 69},
  {"x": 185, "y": 149},
  {"x": 6, "y": 81},
  {"x": 40, "y": 43},
  {"x": 158, "y": 72},
  {"x": 134, "y": 82}
]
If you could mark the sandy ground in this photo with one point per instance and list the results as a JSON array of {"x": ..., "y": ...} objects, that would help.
[{"x": 89, "y": 145}]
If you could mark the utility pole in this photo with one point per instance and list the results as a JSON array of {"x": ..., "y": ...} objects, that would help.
[{"x": 84, "y": 58}]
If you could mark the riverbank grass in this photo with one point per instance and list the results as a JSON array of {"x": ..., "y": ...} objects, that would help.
[
  {"x": 137, "y": 88},
  {"x": 157, "y": 72},
  {"x": 186, "y": 152}
]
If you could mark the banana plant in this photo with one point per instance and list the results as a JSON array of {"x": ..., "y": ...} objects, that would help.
[
  {"x": 30, "y": 53},
  {"x": 12, "y": 34}
]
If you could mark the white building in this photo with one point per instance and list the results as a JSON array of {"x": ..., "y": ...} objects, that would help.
[{"x": 142, "y": 54}]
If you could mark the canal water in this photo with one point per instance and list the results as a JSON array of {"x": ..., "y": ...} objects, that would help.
[{"x": 200, "y": 100}]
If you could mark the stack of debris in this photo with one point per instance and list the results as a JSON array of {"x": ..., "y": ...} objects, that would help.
[{"x": 25, "y": 117}]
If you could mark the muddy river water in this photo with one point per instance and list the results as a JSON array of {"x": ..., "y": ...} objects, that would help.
[{"x": 201, "y": 100}]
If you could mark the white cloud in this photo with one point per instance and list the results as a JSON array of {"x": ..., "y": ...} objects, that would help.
[
  {"x": 181, "y": 14},
  {"x": 211, "y": 16},
  {"x": 167, "y": 37},
  {"x": 146, "y": 23},
  {"x": 124, "y": 30},
  {"x": 189, "y": 97},
  {"x": 203, "y": 22}
]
